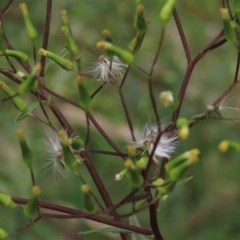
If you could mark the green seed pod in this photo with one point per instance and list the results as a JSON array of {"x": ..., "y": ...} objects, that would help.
[
  {"x": 83, "y": 94},
  {"x": 17, "y": 55},
  {"x": 31, "y": 208},
  {"x": 230, "y": 33},
  {"x": 69, "y": 159},
  {"x": 77, "y": 143},
  {"x": 3, "y": 45},
  {"x": 110, "y": 49},
  {"x": 89, "y": 203},
  {"x": 62, "y": 62},
  {"x": 31, "y": 82},
  {"x": 72, "y": 46},
  {"x": 166, "y": 12},
  {"x": 17, "y": 101},
  {"x": 107, "y": 35},
  {"x": 7, "y": 201},
  {"x": 27, "y": 154},
  {"x": 3, "y": 234},
  {"x": 133, "y": 173},
  {"x": 31, "y": 31}
]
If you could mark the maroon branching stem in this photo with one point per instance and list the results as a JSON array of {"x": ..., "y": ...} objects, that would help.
[
  {"x": 46, "y": 35},
  {"x": 32, "y": 177},
  {"x": 74, "y": 213},
  {"x": 237, "y": 67},
  {"x": 182, "y": 36},
  {"x": 101, "y": 131},
  {"x": 153, "y": 216},
  {"x": 107, "y": 153},
  {"x": 125, "y": 76},
  {"x": 88, "y": 130},
  {"x": 187, "y": 76},
  {"x": 150, "y": 78},
  {"x": 5, "y": 8},
  {"x": 97, "y": 91},
  {"x": 125, "y": 108},
  {"x": 124, "y": 200},
  {"x": 223, "y": 3}
]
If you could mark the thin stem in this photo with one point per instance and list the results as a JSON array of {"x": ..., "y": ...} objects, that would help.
[
  {"x": 125, "y": 108},
  {"x": 150, "y": 78},
  {"x": 46, "y": 35},
  {"x": 5, "y": 8}
]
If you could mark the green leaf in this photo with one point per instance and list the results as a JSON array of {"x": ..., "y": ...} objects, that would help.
[
  {"x": 27, "y": 113},
  {"x": 185, "y": 180},
  {"x": 62, "y": 53},
  {"x": 104, "y": 230},
  {"x": 136, "y": 236}
]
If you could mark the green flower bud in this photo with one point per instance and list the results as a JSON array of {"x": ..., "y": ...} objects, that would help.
[
  {"x": 7, "y": 201},
  {"x": 141, "y": 164},
  {"x": 110, "y": 49},
  {"x": 66, "y": 21},
  {"x": 72, "y": 46},
  {"x": 177, "y": 173},
  {"x": 190, "y": 157},
  {"x": 3, "y": 45},
  {"x": 3, "y": 234},
  {"x": 62, "y": 62},
  {"x": 69, "y": 159},
  {"x": 77, "y": 143},
  {"x": 89, "y": 203},
  {"x": 139, "y": 21},
  {"x": 31, "y": 31},
  {"x": 236, "y": 7},
  {"x": 136, "y": 43},
  {"x": 228, "y": 144},
  {"x": 19, "y": 104},
  {"x": 167, "y": 98},
  {"x": 31, "y": 208},
  {"x": 83, "y": 93},
  {"x": 166, "y": 12},
  {"x": 16, "y": 54},
  {"x": 31, "y": 82},
  {"x": 133, "y": 173},
  {"x": 176, "y": 167},
  {"x": 132, "y": 150},
  {"x": 107, "y": 35},
  {"x": 120, "y": 175},
  {"x": 230, "y": 33},
  {"x": 27, "y": 154},
  {"x": 164, "y": 187},
  {"x": 182, "y": 124}
]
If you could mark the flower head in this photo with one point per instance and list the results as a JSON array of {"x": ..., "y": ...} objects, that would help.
[
  {"x": 51, "y": 154},
  {"x": 108, "y": 71},
  {"x": 148, "y": 138}
]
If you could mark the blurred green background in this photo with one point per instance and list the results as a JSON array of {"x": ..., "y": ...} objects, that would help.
[{"x": 205, "y": 208}]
